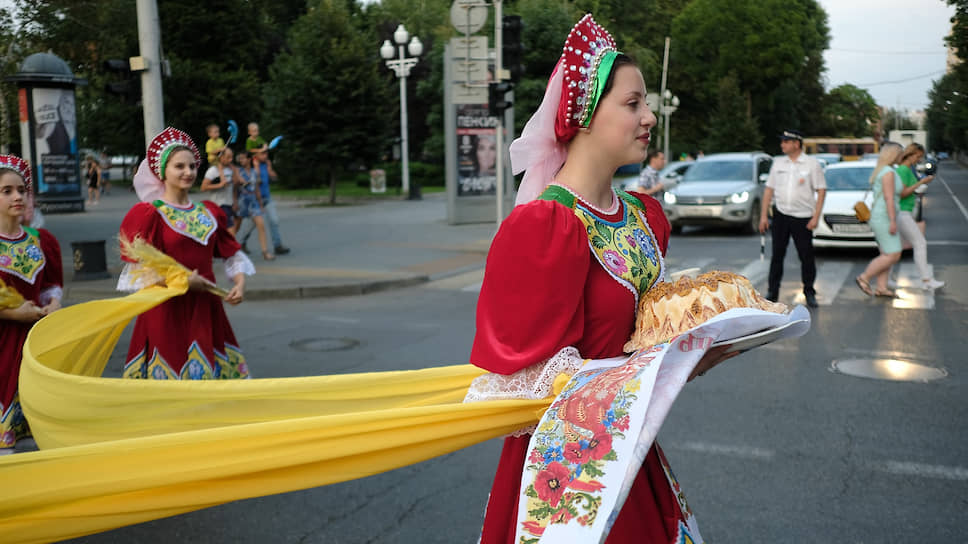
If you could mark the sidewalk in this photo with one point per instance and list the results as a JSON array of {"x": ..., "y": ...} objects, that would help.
[{"x": 336, "y": 251}]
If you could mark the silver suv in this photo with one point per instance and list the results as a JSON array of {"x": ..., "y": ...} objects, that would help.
[{"x": 720, "y": 189}]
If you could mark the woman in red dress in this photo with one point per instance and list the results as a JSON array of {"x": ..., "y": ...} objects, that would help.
[
  {"x": 30, "y": 263},
  {"x": 567, "y": 267},
  {"x": 189, "y": 336}
]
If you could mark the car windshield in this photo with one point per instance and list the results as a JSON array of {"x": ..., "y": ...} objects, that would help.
[
  {"x": 719, "y": 171},
  {"x": 848, "y": 179}
]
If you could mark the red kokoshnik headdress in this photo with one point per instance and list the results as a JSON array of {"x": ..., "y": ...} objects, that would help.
[
  {"x": 22, "y": 168},
  {"x": 568, "y": 105},
  {"x": 148, "y": 182},
  {"x": 18, "y": 165}
]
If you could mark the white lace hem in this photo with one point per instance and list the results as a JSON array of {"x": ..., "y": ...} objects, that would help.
[
  {"x": 239, "y": 264},
  {"x": 133, "y": 278},
  {"x": 534, "y": 382}
]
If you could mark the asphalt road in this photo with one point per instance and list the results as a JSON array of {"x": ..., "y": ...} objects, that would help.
[{"x": 773, "y": 446}]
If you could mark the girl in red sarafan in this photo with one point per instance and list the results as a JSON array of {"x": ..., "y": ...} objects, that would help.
[
  {"x": 189, "y": 336},
  {"x": 565, "y": 272},
  {"x": 30, "y": 263}
]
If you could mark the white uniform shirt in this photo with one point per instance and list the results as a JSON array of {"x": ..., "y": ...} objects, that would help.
[{"x": 795, "y": 184}]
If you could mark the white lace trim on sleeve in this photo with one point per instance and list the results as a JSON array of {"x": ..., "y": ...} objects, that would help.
[
  {"x": 50, "y": 294},
  {"x": 133, "y": 278},
  {"x": 239, "y": 264},
  {"x": 533, "y": 382}
]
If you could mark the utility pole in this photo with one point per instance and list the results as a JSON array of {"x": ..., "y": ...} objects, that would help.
[
  {"x": 499, "y": 140},
  {"x": 662, "y": 90},
  {"x": 149, "y": 41}
]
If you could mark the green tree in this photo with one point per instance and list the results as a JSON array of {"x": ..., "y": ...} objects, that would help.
[
  {"x": 730, "y": 128},
  {"x": 849, "y": 111},
  {"x": 326, "y": 94},
  {"x": 767, "y": 43},
  {"x": 947, "y": 113}
]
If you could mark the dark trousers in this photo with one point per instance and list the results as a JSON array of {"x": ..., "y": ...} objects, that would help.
[{"x": 785, "y": 226}]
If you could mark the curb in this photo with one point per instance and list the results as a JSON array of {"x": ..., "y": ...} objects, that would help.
[{"x": 82, "y": 294}]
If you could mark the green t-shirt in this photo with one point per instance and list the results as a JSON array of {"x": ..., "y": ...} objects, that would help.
[
  {"x": 251, "y": 144},
  {"x": 908, "y": 179}
]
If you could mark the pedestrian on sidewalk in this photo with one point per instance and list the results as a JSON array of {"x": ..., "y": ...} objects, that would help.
[
  {"x": 250, "y": 202},
  {"x": 188, "y": 336},
  {"x": 267, "y": 174},
  {"x": 93, "y": 181},
  {"x": 219, "y": 185},
  {"x": 38, "y": 278},
  {"x": 648, "y": 181},
  {"x": 886, "y": 189},
  {"x": 552, "y": 297},
  {"x": 906, "y": 224},
  {"x": 797, "y": 183}
]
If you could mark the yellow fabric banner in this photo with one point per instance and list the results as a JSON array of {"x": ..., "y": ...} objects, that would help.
[{"x": 117, "y": 452}]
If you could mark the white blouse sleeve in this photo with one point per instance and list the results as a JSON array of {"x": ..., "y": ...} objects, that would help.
[{"x": 239, "y": 264}]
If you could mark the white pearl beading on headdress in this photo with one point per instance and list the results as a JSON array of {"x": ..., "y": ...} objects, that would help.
[
  {"x": 584, "y": 49},
  {"x": 168, "y": 138}
]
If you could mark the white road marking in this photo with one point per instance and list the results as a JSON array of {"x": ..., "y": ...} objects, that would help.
[
  {"x": 744, "y": 452},
  {"x": 831, "y": 277},
  {"x": 906, "y": 468},
  {"x": 954, "y": 198},
  {"x": 336, "y": 319}
]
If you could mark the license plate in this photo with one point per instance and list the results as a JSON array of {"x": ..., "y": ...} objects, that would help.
[
  {"x": 851, "y": 229},
  {"x": 697, "y": 211}
]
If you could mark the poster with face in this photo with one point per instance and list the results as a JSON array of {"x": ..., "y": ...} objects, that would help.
[
  {"x": 55, "y": 142},
  {"x": 476, "y": 150}
]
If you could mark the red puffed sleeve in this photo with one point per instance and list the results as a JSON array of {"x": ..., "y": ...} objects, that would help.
[
  {"x": 657, "y": 219},
  {"x": 53, "y": 274},
  {"x": 225, "y": 243},
  {"x": 143, "y": 220},
  {"x": 532, "y": 300}
]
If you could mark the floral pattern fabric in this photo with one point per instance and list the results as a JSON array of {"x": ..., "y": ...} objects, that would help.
[
  {"x": 227, "y": 366},
  {"x": 22, "y": 257},
  {"x": 625, "y": 248},
  {"x": 194, "y": 222},
  {"x": 579, "y": 438}
]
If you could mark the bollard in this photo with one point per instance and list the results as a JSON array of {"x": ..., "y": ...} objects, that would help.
[{"x": 90, "y": 260}]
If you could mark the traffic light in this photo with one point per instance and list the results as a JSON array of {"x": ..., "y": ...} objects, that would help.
[
  {"x": 496, "y": 101},
  {"x": 512, "y": 50},
  {"x": 124, "y": 84}
]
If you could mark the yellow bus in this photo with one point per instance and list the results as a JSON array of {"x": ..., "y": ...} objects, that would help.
[{"x": 850, "y": 149}]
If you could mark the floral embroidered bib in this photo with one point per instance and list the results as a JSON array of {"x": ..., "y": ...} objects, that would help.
[
  {"x": 195, "y": 222},
  {"x": 22, "y": 257},
  {"x": 626, "y": 248}
]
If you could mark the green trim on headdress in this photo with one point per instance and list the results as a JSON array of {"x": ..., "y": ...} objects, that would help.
[
  {"x": 163, "y": 160},
  {"x": 602, "y": 68}
]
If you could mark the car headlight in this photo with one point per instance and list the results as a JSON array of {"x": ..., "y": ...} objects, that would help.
[
  {"x": 739, "y": 198},
  {"x": 669, "y": 198}
]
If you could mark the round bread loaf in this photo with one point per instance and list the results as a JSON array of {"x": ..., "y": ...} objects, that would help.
[{"x": 671, "y": 308}]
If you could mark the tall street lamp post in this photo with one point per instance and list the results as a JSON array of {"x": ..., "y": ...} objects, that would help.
[
  {"x": 670, "y": 103},
  {"x": 401, "y": 66}
]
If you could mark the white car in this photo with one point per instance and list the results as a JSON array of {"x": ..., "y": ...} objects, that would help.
[{"x": 847, "y": 182}]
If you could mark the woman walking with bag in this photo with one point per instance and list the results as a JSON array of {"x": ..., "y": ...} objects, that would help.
[{"x": 884, "y": 212}]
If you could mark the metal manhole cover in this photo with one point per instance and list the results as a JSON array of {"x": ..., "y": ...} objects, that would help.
[
  {"x": 888, "y": 369},
  {"x": 324, "y": 344}
]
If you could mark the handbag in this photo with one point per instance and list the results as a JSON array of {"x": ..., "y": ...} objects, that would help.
[{"x": 861, "y": 211}]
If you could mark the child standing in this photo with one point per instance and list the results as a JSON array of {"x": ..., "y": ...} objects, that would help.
[{"x": 30, "y": 262}]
